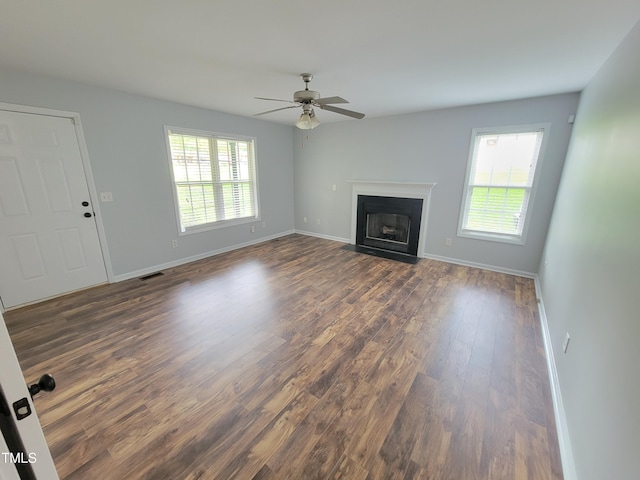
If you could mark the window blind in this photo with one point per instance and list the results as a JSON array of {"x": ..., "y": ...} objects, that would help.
[
  {"x": 214, "y": 178},
  {"x": 500, "y": 181}
]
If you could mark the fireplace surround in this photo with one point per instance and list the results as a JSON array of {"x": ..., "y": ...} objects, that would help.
[
  {"x": 398, "y": 227},
  {"x": 389, "y": 223}
]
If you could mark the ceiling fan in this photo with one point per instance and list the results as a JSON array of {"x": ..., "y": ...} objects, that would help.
[{"x": 307, "y": 99}]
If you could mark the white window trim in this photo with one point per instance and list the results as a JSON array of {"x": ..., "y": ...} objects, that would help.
[
  {"x": 222, "y": 223},
  {"x": 501, "y": 237}
]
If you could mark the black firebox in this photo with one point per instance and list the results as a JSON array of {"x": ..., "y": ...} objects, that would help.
[{"x": 389, "y": 223}]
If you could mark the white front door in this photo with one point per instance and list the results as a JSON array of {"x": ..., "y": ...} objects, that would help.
[
  {"x": 21, "y": 421},
  {"x": 49, "y": 241}
]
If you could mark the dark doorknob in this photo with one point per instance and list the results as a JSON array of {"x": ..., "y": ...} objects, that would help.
[
  {"x": 87, "y": 214},
  {"x": 46, "y": 383}
]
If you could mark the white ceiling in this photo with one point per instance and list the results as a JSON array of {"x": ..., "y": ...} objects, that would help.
[{"x": 384, "y": 57}]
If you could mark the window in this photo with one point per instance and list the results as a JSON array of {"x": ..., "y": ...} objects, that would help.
[
  {"x": 500, "y": 180},
  {"x": 214, "y": 179}
]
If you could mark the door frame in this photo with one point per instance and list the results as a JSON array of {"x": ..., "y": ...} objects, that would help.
[{"x": 86, "y": 165}]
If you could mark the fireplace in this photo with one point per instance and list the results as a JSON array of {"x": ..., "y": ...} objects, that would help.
[
  {"x": 389, "y": 223},
  {"x": 388, "y": 227},
  {"x": 389, "y": 219}
]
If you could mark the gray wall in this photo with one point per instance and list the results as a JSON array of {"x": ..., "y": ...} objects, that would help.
[
  {"x": 127, "y": 152},
  {"x": 590, "y": 273},
  {"x": 125, "y": 139},
  {"x": 430, "y": 147}
]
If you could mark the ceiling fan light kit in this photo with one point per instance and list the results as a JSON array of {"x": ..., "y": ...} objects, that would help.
[
  {"x": 307, "y": 121},
  {"x": 307, "y": 99}
]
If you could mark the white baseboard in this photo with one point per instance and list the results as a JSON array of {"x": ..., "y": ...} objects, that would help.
[
  {"x": 482, "y": 266},
  {"x": 325, "y": 237},
  {"x": 564, "y": 441},
  {"x": 193, "y": 258},
  {"x": 455, "y": 261}
]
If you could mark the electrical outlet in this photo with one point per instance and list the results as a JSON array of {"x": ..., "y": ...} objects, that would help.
[
  {"x": 448, "y": 242},
  {"x": 318, "y": 221},
  {"x": 106, "y": 197},
  {"x": 174, "y": 243},
  {"x": 334, "y": 187},
  {"x": 565, "y": 344},
  {"x": 304, "y": 219},
  {"x": 253, "y": 229}
]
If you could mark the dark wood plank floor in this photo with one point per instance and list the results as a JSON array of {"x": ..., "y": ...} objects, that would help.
[{"x": 295, "y": 359}]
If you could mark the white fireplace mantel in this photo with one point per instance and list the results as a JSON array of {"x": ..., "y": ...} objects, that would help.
[{"x": 392, "y": 189}]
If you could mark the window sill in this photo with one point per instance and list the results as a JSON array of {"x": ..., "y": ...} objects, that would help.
[
  {"x": 218, "y": 225},
  {"x": 493, "y": 237}
]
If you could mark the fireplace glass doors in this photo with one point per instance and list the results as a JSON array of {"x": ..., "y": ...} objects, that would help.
[
  {"x": 389, "y": 227},
  {"x": 389, "y": 223}
]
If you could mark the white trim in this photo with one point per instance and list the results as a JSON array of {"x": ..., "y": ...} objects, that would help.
[
  {"x": 59, "y": 295},
  {"x": 323, "y": 236},
  {"x": 86, "y": 164},
  {"x": 36, "y": 110},
  {"x": 502, "y": 237},
  {"x": 168, "y": 130},
  {"x": 483, "y": 266},
  {"x": 200, "y": 256},
  {"x": 392, "y": 189},
  {"x": 562, "y": 428},
  {"x": 454, "y": 261},
  {"x": 93, "y": 193},
  {"x": 491, "y": 237},
  {"x": 206, "y": 133},
  {"x": 206, "y": 227}
]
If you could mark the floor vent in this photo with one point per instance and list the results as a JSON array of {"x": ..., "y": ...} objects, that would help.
[{"x": 153, "y": 275}]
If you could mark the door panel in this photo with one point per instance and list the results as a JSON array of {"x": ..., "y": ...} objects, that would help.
[
  {"x": 49, "y": 241},
  {"x": 56, "y": 185},
  {"x": 70, "y": 244},
  {"x": 28, "y": 256},
  {"x": 13, "y": 201}
]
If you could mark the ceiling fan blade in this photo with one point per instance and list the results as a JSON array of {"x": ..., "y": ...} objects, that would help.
[
  {"x": 276, "y": 110},
  {"x": 325, "y": 101},
  {"x": 273, "y": 99},
  {"x": 342, "y": 111}
]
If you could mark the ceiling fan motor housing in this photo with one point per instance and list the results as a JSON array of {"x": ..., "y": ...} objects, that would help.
[{"x": 305, "y": 96}]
